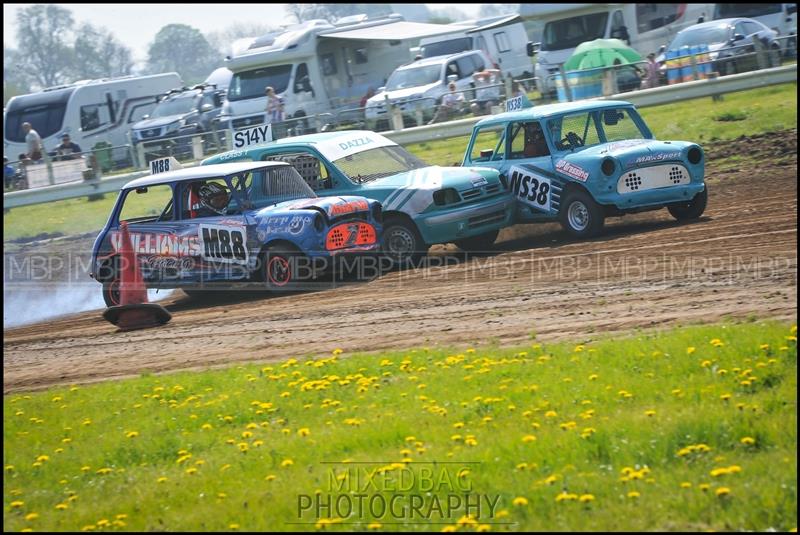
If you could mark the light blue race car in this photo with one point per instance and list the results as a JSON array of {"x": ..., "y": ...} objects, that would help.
[
  {"x": 581, "y": 162},
  {"x": 422, "y": 205}
]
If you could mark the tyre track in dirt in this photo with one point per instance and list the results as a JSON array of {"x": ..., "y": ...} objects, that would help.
[{"x": 738, "y": 262}]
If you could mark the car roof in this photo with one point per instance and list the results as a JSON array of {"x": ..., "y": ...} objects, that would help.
[
  {"x": 436, "y": 60},
  {"x": 550, "y": 110},
  {"x": 716, "y": 23},
  {"x": 200, "y": 172},
  {"x": 312, "y": 139}
]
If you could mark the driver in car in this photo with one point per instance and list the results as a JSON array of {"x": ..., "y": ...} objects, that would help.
[{"x": 207, "y": 199}]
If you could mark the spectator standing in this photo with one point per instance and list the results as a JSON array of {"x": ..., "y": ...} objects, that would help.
[
  {"x": 451, "y": 103},
  {"x": 68, "y": 150},
  {"x": 274, "y": 106},
  {"x": 34, "y": 142},
  {"x": 651, "y": 72}
]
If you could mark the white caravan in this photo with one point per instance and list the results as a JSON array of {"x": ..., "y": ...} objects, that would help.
[
  {"x": 503, "y": 39},
  {"x": 646, "y": 27},
  {"x": 317, "y": 66},
  {"x": 90, "y": 111}
]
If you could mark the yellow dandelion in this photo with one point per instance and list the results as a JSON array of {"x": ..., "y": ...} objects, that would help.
[
  {"x": 650, "y": 412},
  {"x": 31, "y": 516},
  {"x": 704, "y": 486},
  {"x": 633, "y": 494},
  {"x": 585, "y": 498},
  {"x": 690, "y": 350},
  {"x": 233, "y": 526},
  {"x": 61, "y": 506},
  {"x": 686, "y": 485},
  {"x": 286, "y": 462},
  {"x": 528, "y": 438},
  {"x": 374, "y": 525},
  {"x": 303, "y": 431},
  {"x": 748, "y": 441},
  {"x": 132, "y": 434},
  {"x": 722, "y": 491},
  {"x": 161, "y": 479},
  {"x": 191, "y": 470},
  {"x": 483, "y": 528},
  {"x": 16, "y": 504},
  {"x": 520, "y": 501}
]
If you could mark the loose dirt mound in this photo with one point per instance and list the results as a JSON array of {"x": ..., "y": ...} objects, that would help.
[{"x": 740, "y": 261}]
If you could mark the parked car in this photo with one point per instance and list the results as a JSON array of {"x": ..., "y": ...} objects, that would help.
[
  {"x": 730, "y": 43},
  {"x": 422, "y": 204},
  {"x": 180, "y": 112},
  {"x": 244, "y": 221},
  {"x": 581, "y": 162},
  {"x": 420, "y": 85}
]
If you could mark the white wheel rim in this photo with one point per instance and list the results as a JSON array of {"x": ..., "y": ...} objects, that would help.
[
  {"x": 400, "y": 242},
  {"x": 578, "y": 215}
]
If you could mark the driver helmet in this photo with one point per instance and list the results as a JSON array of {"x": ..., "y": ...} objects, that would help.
[{"x": 215, "y": 197}]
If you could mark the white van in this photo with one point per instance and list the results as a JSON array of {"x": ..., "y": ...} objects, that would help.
[
  {"x": 90, "y": 111},
  {"x": 780, "y": 17},
  {"x": 419, "y": 86},
  {"x": 645, "y": 27},
  {"x": 317, "y": 67},
  {"x": 504, "y": 40}
]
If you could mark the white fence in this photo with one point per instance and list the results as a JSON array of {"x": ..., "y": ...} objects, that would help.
[{"x": 643, "y": 98}]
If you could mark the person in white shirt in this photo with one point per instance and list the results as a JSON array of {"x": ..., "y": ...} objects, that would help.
[
  {"x": 451, "y": 102},
  {"x": 34, "y": 142}
]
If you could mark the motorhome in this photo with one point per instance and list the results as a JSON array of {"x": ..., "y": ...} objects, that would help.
[
  {"x": 780, "y": 17},
  {"x": 317, "y": 67},
  {"x": 645, "y": 27},
  {"x": 503, "y": 39},
  {"x": 90, "y": 111}
]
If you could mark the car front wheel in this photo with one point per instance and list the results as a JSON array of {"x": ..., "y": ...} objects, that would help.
[
  {"x": 580, "y": 215},
  {"x": 403, "y": 244},
  {"x": 283, "y": 269},
  {"x": 692, "y": 209},
  {"x": 111, "y": 294}
]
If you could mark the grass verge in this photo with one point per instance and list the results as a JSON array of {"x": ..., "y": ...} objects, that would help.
[{"x": 690, "y": 429}]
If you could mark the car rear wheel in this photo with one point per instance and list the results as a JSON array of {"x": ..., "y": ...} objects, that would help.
[
  {"x": 692, "y": 209},
  {"x": 111, "y": 293},
  {"x": 402, "y": 242},
  {"x": 478, "y": 244},
  {"x": 580, "y": 215}
]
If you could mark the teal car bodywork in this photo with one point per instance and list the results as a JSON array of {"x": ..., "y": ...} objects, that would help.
[
  {"x": 598, "y": 154},
  {"x": 441, "y": 204}
]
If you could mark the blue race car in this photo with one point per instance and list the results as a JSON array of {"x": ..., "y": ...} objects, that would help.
[
  {"x": 423, "y": 204},
  {"x": 581, "y": 162},
  {"x": 245, "y": 221}
]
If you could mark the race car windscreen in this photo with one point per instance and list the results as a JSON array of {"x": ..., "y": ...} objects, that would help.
[
  {"x": 378, "y": 163},
  {"x": 263, "y": 187}
]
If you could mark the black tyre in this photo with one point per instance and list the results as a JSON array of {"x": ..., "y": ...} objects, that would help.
[
  {"x": 692, "y": 209},
  {"x": 580, "y": 215},
  {"x": 478, "y": 244},
  {"x": 284, "y": 269},
  {"x": 111, "y": 294},
  {"x": 402, "y": 242}
]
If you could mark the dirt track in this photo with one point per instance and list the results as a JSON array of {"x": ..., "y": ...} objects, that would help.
[{"x": 739, "y": 261}]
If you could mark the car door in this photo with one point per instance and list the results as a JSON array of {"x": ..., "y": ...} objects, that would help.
[
  {"x": 223, "y": 242},
  {"x": 528, "y": 167},
  {"x": 464, "y": 84},
  {"x": 163, "y": 244}
]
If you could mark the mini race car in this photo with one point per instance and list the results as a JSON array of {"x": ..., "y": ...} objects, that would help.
[
  {"x": 581, "y": 162},
  {"x": 423, "y": 205},
  {"x": 244, "y": 221}
]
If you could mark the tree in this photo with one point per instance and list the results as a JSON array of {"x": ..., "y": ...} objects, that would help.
[
  {"x": 44, "y": 52},
  {"x": 98, "y": 54},
  {"x": 181, "y": 48},
  {"x": 446, "y": 15},
  {"x": 334, "y": 12},
  {"x": 490, "y": 10},
  {"x": 221, "y": 40},
  {"x": 15, "y": 79}
]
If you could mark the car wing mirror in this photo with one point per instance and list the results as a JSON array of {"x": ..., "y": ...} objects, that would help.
[
  {"x": 206, "y": 108},
  {"x": 738, "y": 37},
  {"x": 141, "y": 190},
  {"x": 486, "y": 153}
]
